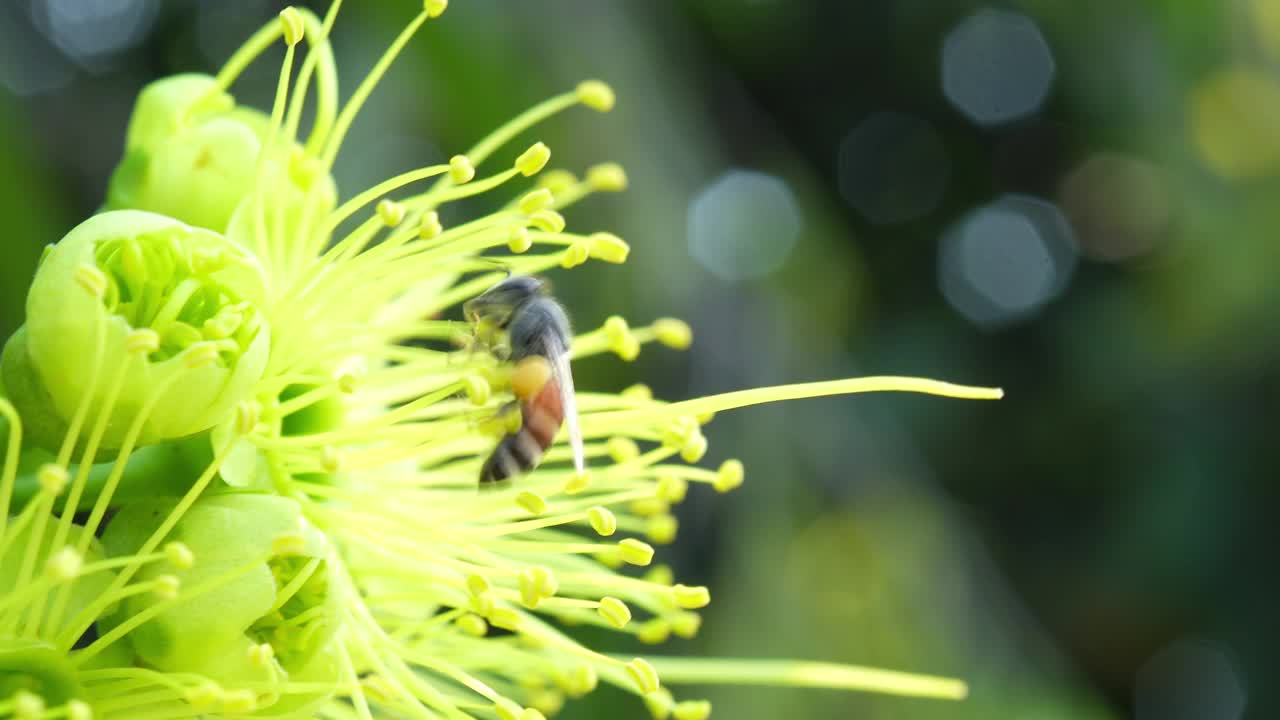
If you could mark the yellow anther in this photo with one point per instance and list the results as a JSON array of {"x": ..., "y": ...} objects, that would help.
[
  {"x": 607, "y": 177},
  {"x": 330, "y": 459},
  {"x": 694, "y": 448},
  {"x": 288, "y": 544},
  {"x": 91, "y": 279},
  {"x": 167, "y": 586},
  {"x": 520, "y": 240},
  {"x": 529, "y": 376},
  {"x": 143, "y": 341},
  {"x": 691, "y": 597},
  {"x": 620, "y": 339},
  {"x": 649, "y": 506},
  {"x": 536, "y": 200},
  {"x": 481, "y": 605},
  {"x": 430, "y": 226},
  {"x": 609, "y": 247},
  {"x": 532, "y": 714},
  {"x": 677, "y": 432},
  {"x": 291, "y": 25},
  {"x": 52, "y": 478},
  {"x": 507, "y": 709},
  {"x": 603, "y": 521},
  {"x": 261, "y": 654},
  {"x": 596, "y": 95},
  {"x": 504, "y": 618},
  {"x": 64, "y": 564},
  {"x": 659, "y": 704},
  {"x": 478, "y": 584},
  {"x": 199, "y": 355},
  {"x": 537, "y": 584},
  {"x": 660, "y": 575},
  {"x": 79, "y": 710},
  {"x": 635, "y": 552},
  {"x": 662, "y": 529},
  {"x": 248, "y": 413},
  {"x": 580, "y": 681},
  {"x": 203, "y": 695},
  {"x": 532, "y": 502},
  {"x": 391, "y": 212},
  {"x": 639, "y": 391},
  {"x": 550, "y": 702},
  {"x": 643, "y": 675},
  {"x": 686, "y": 624},
  {"x": 672, "y": 488},
  {"x": 577, "y": 483},
  {"x": 348, "y": 383},
  {"x": 692, "y": 710},
  {"x": 473, "y": 625},
  {"x": 435, "y": 8},
  {"x": 622, "y": 449},
  {"x": 673, "y": 333},
  {"x": 614, "y": 611},
  {"x": 461, "y": 170},
  {"x": 220, "y": 326},
  {"x": 179, "y": 555},
  {"x": 730, "y": 476},
  {"x": 547, "y": 220},
  {"x": 532, "y": 161},
  {"x": 239, "y": 701},
  {"x": 654, "y": 631},
  {"x": 557, "y": 181},
  {"x": 577, "y": 254},
  {"x": 477, "y": 388},
  {"x": 27, "y": 705}
]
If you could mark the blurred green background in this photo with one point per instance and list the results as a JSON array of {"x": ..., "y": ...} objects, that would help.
[{"x": 1075, "y": 200}]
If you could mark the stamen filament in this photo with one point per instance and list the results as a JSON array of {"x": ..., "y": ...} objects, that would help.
[
  {"x": 800, "y": 673},
  {"x": 744, "y": 398}
]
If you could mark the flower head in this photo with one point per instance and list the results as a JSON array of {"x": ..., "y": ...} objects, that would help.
[{"x": 241, "y": 450}]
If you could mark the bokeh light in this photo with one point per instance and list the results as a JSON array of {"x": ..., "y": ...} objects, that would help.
[
  {"x": 1118, "y": 205},
  {"x": 1235, "y": 122},
  {"x": 743, "y": 225},
  {"x": 892, "y": 167},
  {"x": 88, "y": 30},
  {"x": 996, "y": 67},
  {"x": 1002, "y": 262}
]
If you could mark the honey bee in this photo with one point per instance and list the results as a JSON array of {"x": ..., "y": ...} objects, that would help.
[{"x": 538, "y": 335}]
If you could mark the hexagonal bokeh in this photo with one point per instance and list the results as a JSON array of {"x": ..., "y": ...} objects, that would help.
[
  {"x": 892, "y": 168},
  {"x": 743, "y": 225},
  {"x": 1002, "y": 262},
  {"x": 996, "y": 67}
]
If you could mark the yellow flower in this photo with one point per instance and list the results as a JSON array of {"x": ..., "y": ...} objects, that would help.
[{"x": 308, "y": 540}]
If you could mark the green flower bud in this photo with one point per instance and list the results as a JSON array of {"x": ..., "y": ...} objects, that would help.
[
  {"x": 258, "y": 566},
  {"x": 192, "y": 154},
  {"x": 175, "y": 309}
]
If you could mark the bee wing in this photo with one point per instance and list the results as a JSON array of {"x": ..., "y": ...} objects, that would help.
[{"x": 564, "y": 378}]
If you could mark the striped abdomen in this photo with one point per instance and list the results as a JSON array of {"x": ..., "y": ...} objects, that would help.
[{"x": 521, "y": 451}]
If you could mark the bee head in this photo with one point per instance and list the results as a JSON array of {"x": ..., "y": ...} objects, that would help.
[{"x": 495, "y": 305}]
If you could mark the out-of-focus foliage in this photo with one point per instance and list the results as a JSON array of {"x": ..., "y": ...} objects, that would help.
[{"x": 1074, "y": 200}]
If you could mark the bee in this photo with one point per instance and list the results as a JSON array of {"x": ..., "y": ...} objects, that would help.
[{"x": 537, "y": 331}]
